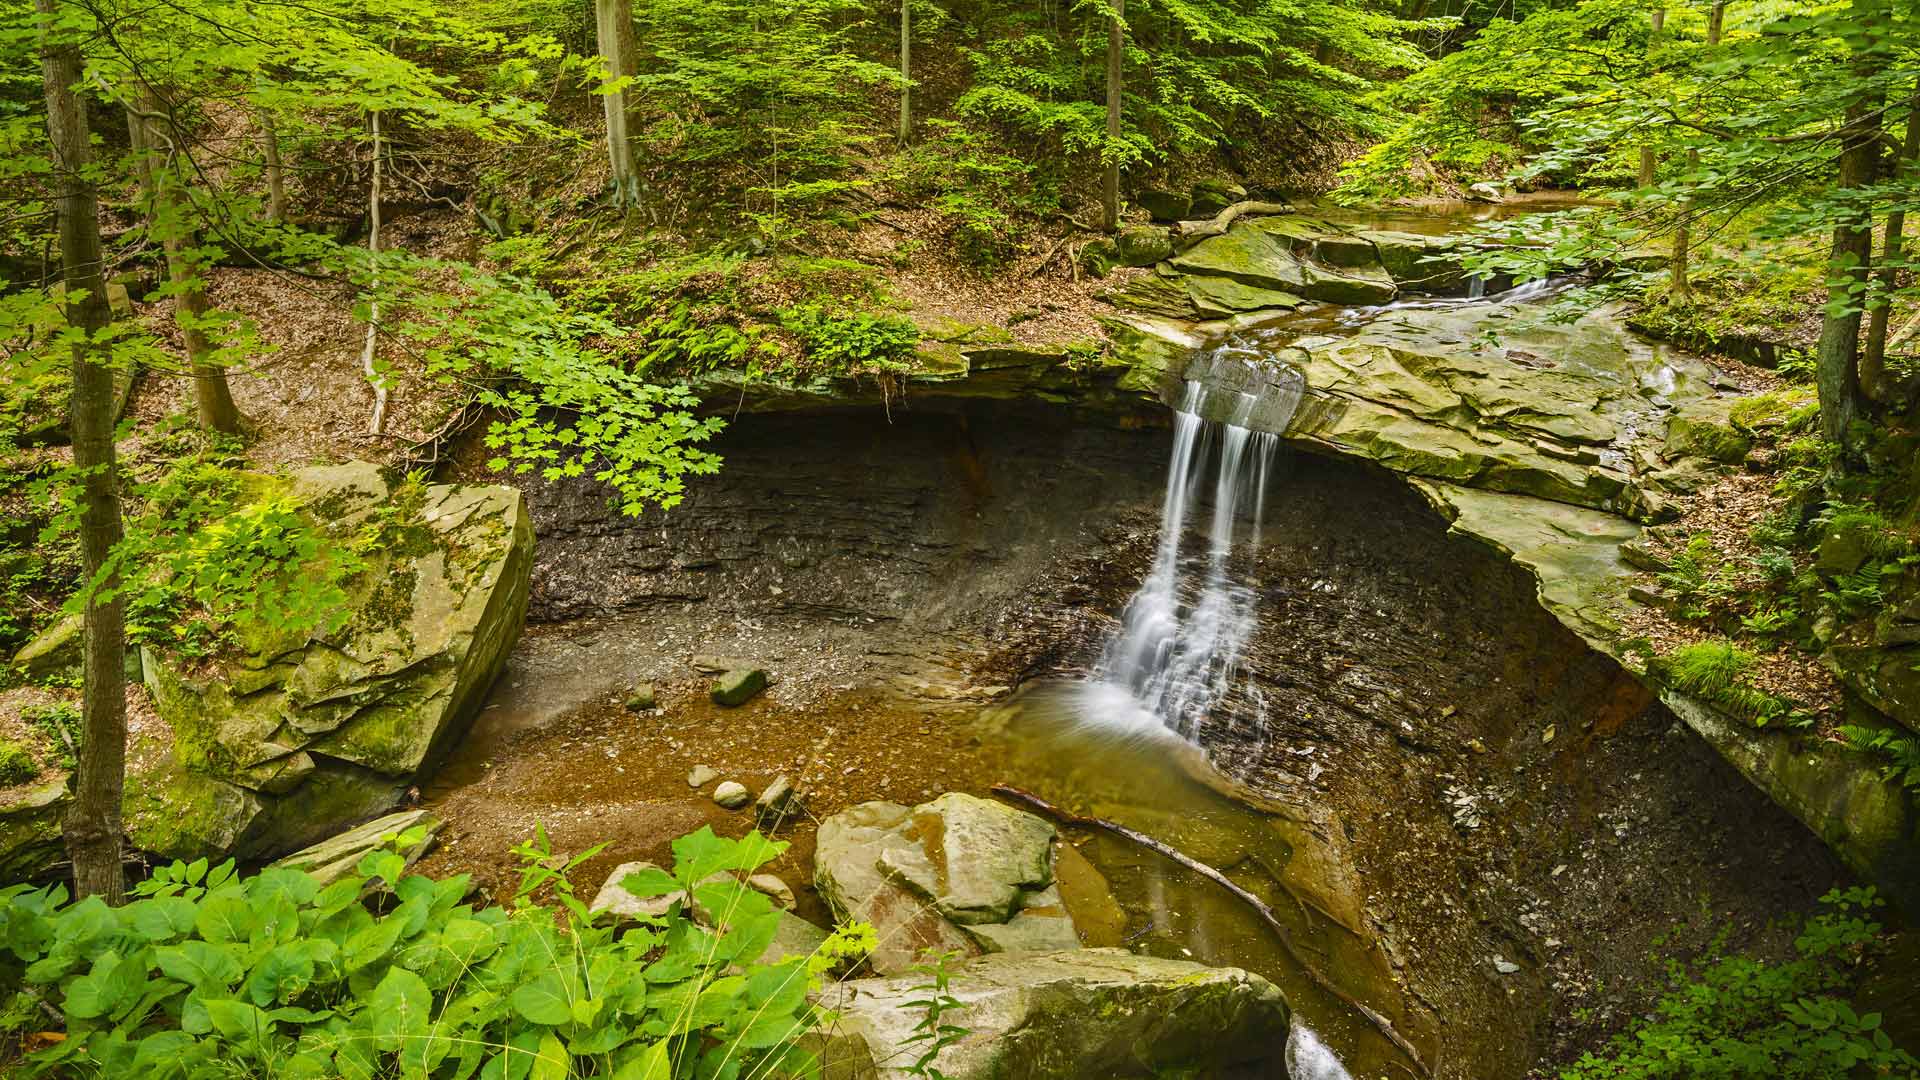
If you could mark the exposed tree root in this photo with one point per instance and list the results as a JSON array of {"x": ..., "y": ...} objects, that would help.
[{"x": 1192, "y": 232}]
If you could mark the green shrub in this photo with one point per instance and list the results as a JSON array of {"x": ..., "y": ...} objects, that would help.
[
  {"x": 1739, "y": 1018},
  {"x": 1716, "y": 672},
  {"x": 16, "y": 765},
  {"x": 386, "y": 974},
  {"x": 852, "y": 340},
  {"x": 1898, "y": 749},
  {"x": 59, "y": 722}
]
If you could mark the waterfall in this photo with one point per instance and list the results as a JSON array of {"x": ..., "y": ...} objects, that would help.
[
  {"x": 1309, "y": 1059},
  {"x": 1178, "y": 651}
]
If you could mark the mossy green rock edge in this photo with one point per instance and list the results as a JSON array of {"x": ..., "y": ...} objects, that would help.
[{"x": 294, "y": 741}]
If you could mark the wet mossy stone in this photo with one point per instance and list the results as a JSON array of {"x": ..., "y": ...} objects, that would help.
[
  {"x": 30, "y": 829},
  {"x": 1212, "y": 196},
  {"x": 1164, "y": 205},
  {"x": 1142, "y": 246},
  {"x": 1084, "y": 1014},
  {"x": 52, "y": 652},
  {"x": 739, "y": 686}
]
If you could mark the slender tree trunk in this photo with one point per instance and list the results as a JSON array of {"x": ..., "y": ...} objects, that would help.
[
  {"x": 276, "y": 173},
  {"x": 169, "y": 214},
  {"x": 378, "y": 424},
  {"x": 1681, "y": 289},
  {"x": 1873, "y": 358},
  {"x": 1116, "y": 48},
  {"x": 1837, "y": 365},
  {"x": 906, "y": 72},
  {"x": 92, "y": 826},
  {"x": 613, "y": 21},
  {"x": 1647, "y": 163}
]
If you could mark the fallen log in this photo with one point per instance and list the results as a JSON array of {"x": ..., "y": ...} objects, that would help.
[{"x": 1260, "y": 907}]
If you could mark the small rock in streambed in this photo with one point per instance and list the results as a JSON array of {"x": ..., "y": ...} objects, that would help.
[
  {"x": 731, "y": 796},
  {"x": 701, "y": 775},
  {"x": 780, "y": 892},
  {"x": 1504, "y": 966},
  {"x": 642, "y": 698},
  {"x": 778, "y": 803},
  {"x": 739, "y": 686},
  {"x": 710, "y": 664}
]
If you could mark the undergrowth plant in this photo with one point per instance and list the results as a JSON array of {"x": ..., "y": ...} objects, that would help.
[
  {"x": 1742, "y": 1018},
  {"x": 1897, "y": 748},
  {"x": 384, "y": 973},
  {"x": 932, "y": 1033},
  {"x": 1718, "y": 672}
]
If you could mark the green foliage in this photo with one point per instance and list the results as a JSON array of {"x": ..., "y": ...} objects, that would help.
[
  {"x": 59, "y": 723},
  {"x": 1898, "y": 749},
  {"x": 931, "y": 1033},
  {"x": 217, "y": 557},
  {"x": 206, "y": 973},
  {"x": 16, "y": 764},
  {"x": 853, "y": 340},
  {"x": 1741, "y": 1018},
  {"x": 1717, "y": 673}
]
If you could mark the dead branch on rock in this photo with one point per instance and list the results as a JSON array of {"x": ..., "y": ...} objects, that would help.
[
  {"x": 1192, "y": 232},
  {"x": 1259, "y": 906}
]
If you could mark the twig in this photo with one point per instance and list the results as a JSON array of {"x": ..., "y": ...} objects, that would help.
[
  {"x": 1259, "y": 906},
  {"x": 377, "y": 425}
]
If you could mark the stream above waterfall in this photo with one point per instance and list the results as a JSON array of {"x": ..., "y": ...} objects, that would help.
[{"x": 1279, "y": 663}]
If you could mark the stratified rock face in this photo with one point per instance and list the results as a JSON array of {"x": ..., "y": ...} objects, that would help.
[
  {"x": 1088, "y": 1014},
  {"x": 957, "y": 874},
  {"x": 298, "y": 738}
]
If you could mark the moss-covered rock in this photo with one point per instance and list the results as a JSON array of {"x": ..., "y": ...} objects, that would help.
[
  {"x": 1088, "y": 1014},
  {"x": 1164, "y": 205},
  {"x": 285, "y": 743},
  {"x": 1142, "y": 246},
  {"x": 30, "y": 830}
]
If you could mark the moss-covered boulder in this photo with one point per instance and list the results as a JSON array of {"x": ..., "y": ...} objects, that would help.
[
  {"x": 1276, "y": 253},
  {"x": 30, "y": 829},
  {"x": 1089, "y": 1014},
  {"x": 291, "y": 740},
  {"x": 1142, "y": 246}
]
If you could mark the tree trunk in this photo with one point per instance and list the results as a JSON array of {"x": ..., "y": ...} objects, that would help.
[
  {"x": 92, "y": 826},
  {"x": 1681, "y": 288},
  {"x": 613, "y": 21},
  {"x": 378, "y": 424},
  {"x": 276, "y": 173},
  {"x": 168, "y": 215},
  {"x": 906, "y": 72},
  {"x": 1659, "y": 19},
  {"x": 1116, "y": 46},
  {"x": 1837, "y": 365},
  {"x": 1873, "y": 358}
]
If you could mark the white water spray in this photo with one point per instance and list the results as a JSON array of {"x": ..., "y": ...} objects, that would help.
[
  {"x": 1179, "y": 650},
  {"x": 1309, "y": 1059}
]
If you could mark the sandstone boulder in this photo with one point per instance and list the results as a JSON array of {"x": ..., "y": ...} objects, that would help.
[{"x": 1086, "y": 1014}]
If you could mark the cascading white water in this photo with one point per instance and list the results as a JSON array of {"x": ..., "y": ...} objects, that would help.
[
  {"x": 1178, "y": 652},
  {"x": 1309, "y": 1059}
]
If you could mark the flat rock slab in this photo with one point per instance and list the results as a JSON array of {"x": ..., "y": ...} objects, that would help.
[
  {"x": 1085, "y": 1014},
  {"x": 338, "y": 856}
]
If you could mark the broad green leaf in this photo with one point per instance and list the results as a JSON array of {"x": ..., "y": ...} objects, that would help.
[
  {"x": 545, "y": 1000},
  {"x": 400, "y": 1008},
  {"x": 199, "y": 964},
  {"x": 163, "y": 918},
  {"x": 553, "y": 1062},
  {"x": 282, "y": 974},
  {"x": 370, "y": 945},
  {"x": 226, "y": 919},
  {"x": 651, "y": 1063}
]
